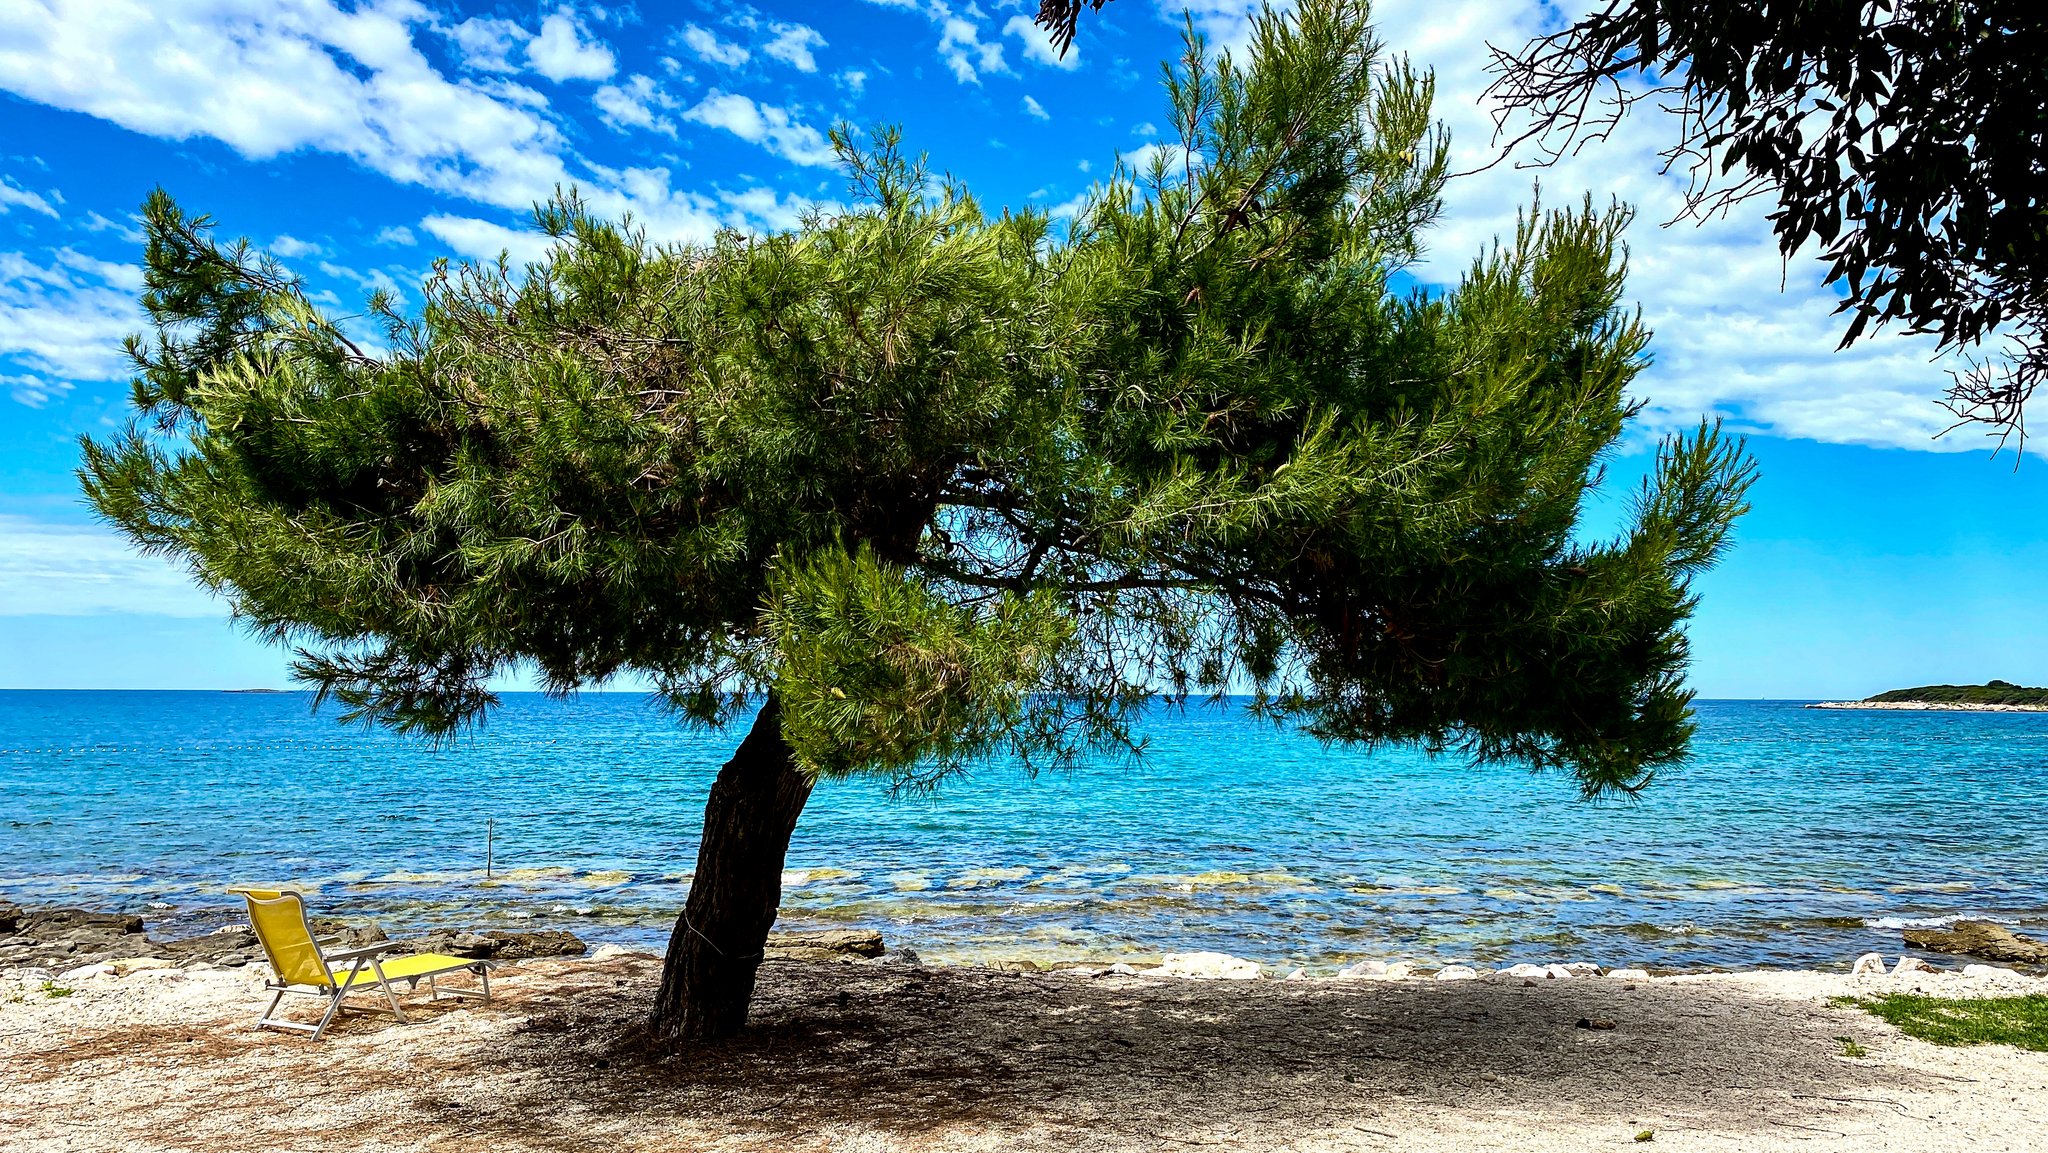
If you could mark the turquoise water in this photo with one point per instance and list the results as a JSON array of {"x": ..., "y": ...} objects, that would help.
[{"x": 1794, "y": 837}]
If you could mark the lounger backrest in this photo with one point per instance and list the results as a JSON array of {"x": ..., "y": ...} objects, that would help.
[{"x": 279, "y": 918}]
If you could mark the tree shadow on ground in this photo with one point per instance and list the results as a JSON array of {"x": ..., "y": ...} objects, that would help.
[{"x": 915, "y": 1051}]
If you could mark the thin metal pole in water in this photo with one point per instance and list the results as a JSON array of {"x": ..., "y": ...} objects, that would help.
[{"x": 489, "y": 837}]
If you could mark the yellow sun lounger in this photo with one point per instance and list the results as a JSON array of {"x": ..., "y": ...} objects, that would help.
[{"x": 303, "y": 966}]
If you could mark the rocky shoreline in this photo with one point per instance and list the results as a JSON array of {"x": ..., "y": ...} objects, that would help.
[
  {"x": 71, "y": 944},
  {"x": 1929, "y": 706}
]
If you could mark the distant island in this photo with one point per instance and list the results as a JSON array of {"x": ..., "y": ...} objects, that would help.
[{"x": 1989, "y": 697}]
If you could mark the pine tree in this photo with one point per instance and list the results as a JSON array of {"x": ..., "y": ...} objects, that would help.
[{"x": 914, "y": 486}]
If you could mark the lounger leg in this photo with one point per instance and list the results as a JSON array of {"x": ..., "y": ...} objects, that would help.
[
  {"x": 263, "y": 1018},
  {"x": 333, "y": 1008},
  {"x": 485, "y": 972},
  {"x": 390, "y": 995}
]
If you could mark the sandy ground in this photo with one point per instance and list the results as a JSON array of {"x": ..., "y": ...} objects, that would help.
[{"x": 861, "y": 1058}]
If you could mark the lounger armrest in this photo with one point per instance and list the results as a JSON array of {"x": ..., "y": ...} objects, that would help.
[{"x": 360, "y": 951}]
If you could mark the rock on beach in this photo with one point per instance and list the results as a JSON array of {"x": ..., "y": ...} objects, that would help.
[
  {"x": 1208, "y": 967},
  {"x": 1983, "y": 939}
]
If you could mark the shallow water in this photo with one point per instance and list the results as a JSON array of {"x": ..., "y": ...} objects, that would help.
[{"x": 1794, "y": 837}]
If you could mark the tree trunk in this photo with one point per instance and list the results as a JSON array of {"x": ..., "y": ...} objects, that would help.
[{"x": 708, "y": 977}]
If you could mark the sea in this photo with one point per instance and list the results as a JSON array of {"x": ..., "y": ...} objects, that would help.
[{"x": 1793, "y": 837}]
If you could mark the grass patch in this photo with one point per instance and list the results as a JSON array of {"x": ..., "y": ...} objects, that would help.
[
  {"x": 1850, "y": 1047},
  {"x": 52, "y": 989},
  {"x": 2021, "y": 1022}
]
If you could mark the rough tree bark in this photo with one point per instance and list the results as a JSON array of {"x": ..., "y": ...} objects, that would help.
[{"x": 707, "y": 979}]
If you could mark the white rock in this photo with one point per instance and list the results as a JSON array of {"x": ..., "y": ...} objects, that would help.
[
  {"x": 1628, "y": 974},
  {"x": 1456, "y": 973},
  {"x": 607, "y": 952},
  {"x": 1993, "y": 973},
  {"x": 1912, "y": 965},
  {"x": 1208, "y": 967},
  {"x": 1559, "y": 972},
  {"x": 126, "y": 965},
  {"x": 1121, "y": 970},
  {"x": 86, "y": 973},
  {"x": 1868, "y": 965},
  {"x": 1364, "y": 969},
  {"x": 1399, "y": 971},
  {"x": 1298, "y": 975},
  {"x": 1583, "y": 969},
  {"x": 1526, "y": 971}
]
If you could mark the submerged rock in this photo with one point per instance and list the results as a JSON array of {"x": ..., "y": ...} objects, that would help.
[
  {"x": 1980, "y": 939},
  {"x": 854, "y": 942}
]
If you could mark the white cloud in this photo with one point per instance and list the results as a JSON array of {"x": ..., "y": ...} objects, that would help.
[
  {"x": 1226, "y": 25},
  {"x": 82, "y": 570},
  {"x": 63, "y": 322},
  {"x": 482, "y": 240},
  {"x": 792, "y": 45},
  {"x": 762, "y": 206},
  {"x": 398, "y": 234},
  {"x": 13, "y": 196},
  {"x": 1038, "y": 46},
  {"x": 1033, "y": 107},
  {"x": 853, "y": 80},
  {"x": 966, "y": 55},
  {"x": 1177, "y": 158},
  {"x": 561, "y": 51},
  {"x": 294, "y": 75},
  {"x": 375, "y": 280},
  {"x": 1728, "y": 341},
  {"x": 711, "y": 49},
  {"x": 763, "y": 124},
  {"x": 291, "y": 247},
  {"x": 298, "y": 74},
  {"x": 638, "y": 103},
  {"x": 487, "y": 44},
  {"x": 1071, "y": 206}
]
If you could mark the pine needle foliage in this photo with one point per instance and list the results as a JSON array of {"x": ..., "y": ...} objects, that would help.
[{"x": 954, "y": 485}]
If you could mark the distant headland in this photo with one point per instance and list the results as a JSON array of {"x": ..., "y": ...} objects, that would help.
[{"x": 1989, "y": 697}]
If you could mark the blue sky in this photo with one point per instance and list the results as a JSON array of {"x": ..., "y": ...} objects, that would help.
[{"x": 358, "y": 142}]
